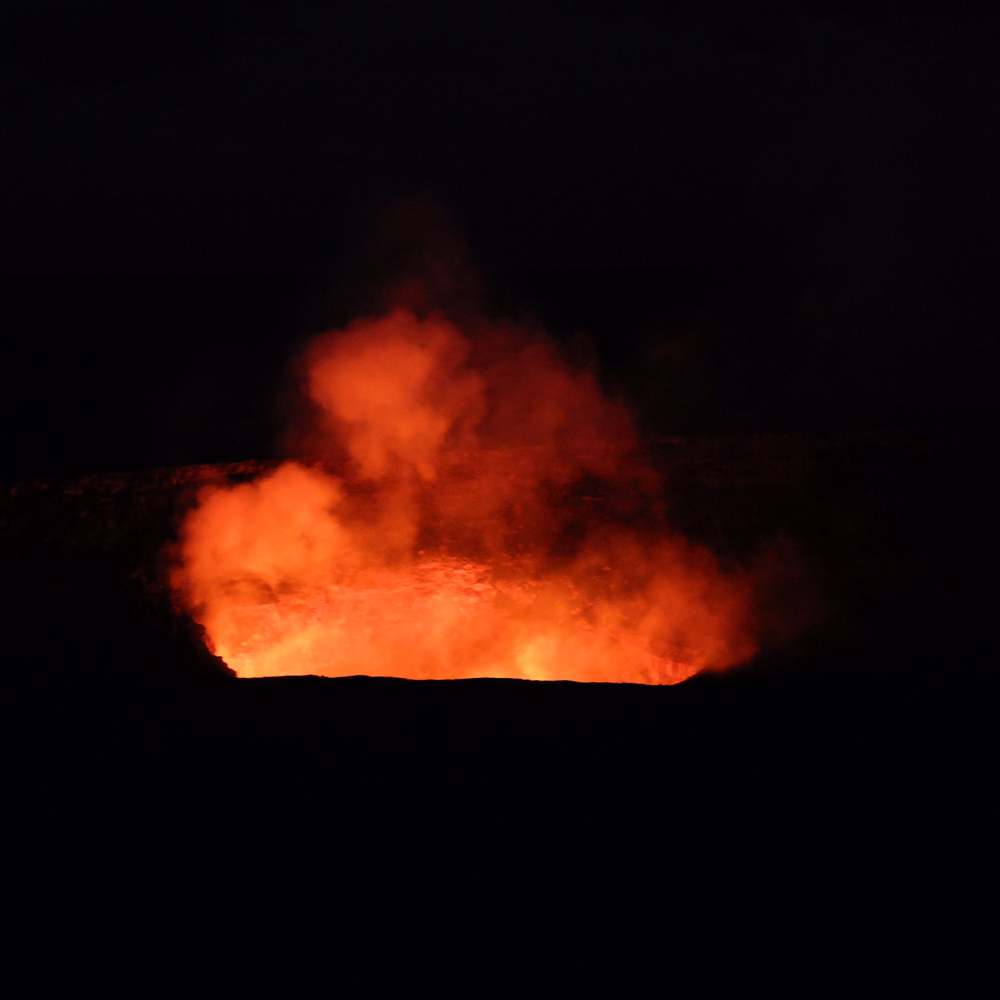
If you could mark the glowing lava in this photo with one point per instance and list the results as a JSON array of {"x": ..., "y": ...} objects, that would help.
[{"x": 490, "y": 516}]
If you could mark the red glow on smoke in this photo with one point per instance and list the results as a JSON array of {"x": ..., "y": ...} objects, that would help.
[{"x": 478, "y": 508}]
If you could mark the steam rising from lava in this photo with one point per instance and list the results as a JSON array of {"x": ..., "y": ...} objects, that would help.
[{"x": 474, "y": 507}]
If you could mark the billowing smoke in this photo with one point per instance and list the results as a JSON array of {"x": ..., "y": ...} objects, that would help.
[{"x": 471, "y": 505}]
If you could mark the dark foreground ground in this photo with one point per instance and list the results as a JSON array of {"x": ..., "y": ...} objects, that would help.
[
  {"x": 851, "y": 764},
  {"x": 847, "y": 817}
]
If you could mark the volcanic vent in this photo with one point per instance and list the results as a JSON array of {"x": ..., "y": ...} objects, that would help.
[{"x": 472, "y": 506}]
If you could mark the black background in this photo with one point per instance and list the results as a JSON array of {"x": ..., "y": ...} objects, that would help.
[
  {"x": 754, "y": 217},
  {"x": 764, "y": 216}
]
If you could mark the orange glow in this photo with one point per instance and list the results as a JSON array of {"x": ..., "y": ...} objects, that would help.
[{"x": 478, "y": 509}]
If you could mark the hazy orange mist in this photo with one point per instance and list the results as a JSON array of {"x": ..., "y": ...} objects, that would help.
[{"x": 481, "y": 510}]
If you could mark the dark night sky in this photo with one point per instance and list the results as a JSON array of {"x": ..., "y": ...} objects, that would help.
[
  {"x": 242, "y": 136},
  {"x": 826, "y": 174},
  {"x": 769, "y": 216}
]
